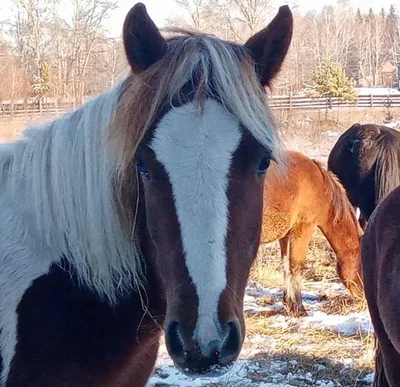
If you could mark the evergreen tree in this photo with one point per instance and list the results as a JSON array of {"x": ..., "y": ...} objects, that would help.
[
  {"x": 358, "y": 15},
  {"x": 42, "y": 83},
  {"x": 330, "y": 81}
]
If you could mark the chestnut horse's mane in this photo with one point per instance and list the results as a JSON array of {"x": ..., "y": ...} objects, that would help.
[{"x": 343, "y": 210}]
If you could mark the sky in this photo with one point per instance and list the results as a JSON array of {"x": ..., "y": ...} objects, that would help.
[{"x": 161, "y": 10}]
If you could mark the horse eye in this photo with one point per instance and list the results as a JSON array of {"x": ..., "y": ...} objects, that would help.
[
  {"x": 142, "y": 169},
  {"x": 263, "y": 166}
]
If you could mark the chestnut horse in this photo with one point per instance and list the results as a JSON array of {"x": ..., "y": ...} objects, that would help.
[
  {"x": 294, "y": 205},
  {"x": 140, "y": 210},
  {"x": 380, "y": 251},
  {"x": 366, "y": 160}
]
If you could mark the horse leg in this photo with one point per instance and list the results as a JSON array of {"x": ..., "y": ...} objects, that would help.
[
  {"x": 145, "y": 364},
  {"x": 293, "y": 249},
  {"x": 139, "y": 369},
  {"x": 380, "y": 379},
  {"x": 284, "y": 246},
  {"x": 387, "y": 361}
]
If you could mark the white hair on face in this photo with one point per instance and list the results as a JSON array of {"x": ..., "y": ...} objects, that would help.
[
  {"x": 196, "y": 151},
  {"x": 61, "y": 174}
]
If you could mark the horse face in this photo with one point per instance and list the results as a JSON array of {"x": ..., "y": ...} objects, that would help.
[{"x": 202, "y": 176}]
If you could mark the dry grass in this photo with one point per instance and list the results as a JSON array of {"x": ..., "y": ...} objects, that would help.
[
  {"x": 315, "y": 367},
  {"x": 343, "y": 304},
  {"x": 10, "y": 128},
  {"x": 320, "y": 352},
  {"x": 311, "y": 346},
  {"x": 320, "y": 264}
]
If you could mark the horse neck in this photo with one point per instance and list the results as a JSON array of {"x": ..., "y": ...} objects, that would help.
[{"x": 343, "y": 233}]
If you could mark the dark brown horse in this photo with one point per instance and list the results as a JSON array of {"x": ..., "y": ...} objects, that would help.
[
  {"x": 307, "y": 197},
  {"x": 380, "y": 251},
  {"x": 140, "y": 210},
  {"x": 366, "y": 160}
]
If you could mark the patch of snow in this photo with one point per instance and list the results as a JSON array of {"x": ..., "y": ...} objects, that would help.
[
  {"x": 331, "y": 133},
  {"x": 168, "y": 375},
  {"x": 350, "y": 324},
  {"x": 395, "y": 124},
  {"x": 376, "y": 91}
]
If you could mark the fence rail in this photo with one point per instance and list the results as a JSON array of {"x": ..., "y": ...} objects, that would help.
[
  {"x": 295, "y": 102},
  {"x": 305, "y": 103}
]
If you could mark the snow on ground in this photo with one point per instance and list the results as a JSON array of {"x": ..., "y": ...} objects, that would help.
[
  {"x": 376, "y": 90},
  {"x": 395, "y": 124},
  {"x": 258, "y": 366},
  {"x": 349, "y": 324}
]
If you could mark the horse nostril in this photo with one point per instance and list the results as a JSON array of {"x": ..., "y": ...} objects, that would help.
[
  {"x": 174, "y": 341},
  {"x": 231, "y": 344}
]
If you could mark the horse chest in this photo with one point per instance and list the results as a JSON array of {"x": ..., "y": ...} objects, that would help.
[{"x": 67, "y": 336}]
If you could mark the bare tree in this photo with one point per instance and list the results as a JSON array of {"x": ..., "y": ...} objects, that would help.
[
  {"x": 86, "y": 28},
  {"x": 29, "y": 31},
  {"x": 197, "y": 10},
  {"x": 70, "y": 56}
]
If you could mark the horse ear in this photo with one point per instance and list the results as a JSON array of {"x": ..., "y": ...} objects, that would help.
[
  {"x": 268, "y": 47},
  {"x": 143, "y": 42}
]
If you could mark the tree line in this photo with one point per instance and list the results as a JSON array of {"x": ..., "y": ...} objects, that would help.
[
  {"x": 44, "y": 53},
  {"x": 359, "y": 43}
]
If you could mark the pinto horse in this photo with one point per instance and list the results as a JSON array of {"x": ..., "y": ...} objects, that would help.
[
  {"x": 140, "y": 210},
  {"x": 380, "y": 250},
  {"x": 366, "y": 160},
  {"x": 294, "y": 205}
]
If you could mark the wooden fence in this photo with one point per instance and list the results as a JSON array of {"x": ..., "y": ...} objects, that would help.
[
  {"x": 295, "y": 102},
  {"x": 305, "y": 103},
  {"x": 31, "y": 108}
]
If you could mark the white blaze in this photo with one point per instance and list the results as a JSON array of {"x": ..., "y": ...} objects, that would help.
[{"x": 196, "y": 151}]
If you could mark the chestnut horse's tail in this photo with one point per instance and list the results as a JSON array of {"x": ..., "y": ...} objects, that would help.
[
  {"x": 387, "y": 174},
  {"x": 380, "y": 376}
]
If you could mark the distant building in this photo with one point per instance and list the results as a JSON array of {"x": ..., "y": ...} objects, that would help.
[{"x": 388, "y": 74}]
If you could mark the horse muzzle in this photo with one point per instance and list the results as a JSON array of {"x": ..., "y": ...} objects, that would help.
[{"x": 211, "y": 355}]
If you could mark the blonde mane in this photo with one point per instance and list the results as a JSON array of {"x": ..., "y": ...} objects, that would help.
[{"x": 74, "y": 178}]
